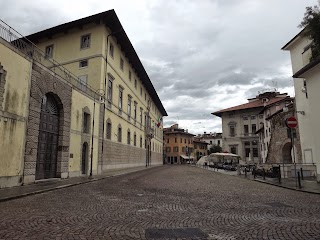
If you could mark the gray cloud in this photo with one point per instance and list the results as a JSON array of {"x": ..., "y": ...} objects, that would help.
[{"x": 201, "y": 56}]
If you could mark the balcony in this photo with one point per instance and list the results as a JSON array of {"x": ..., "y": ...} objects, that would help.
[{"x": 149, "y": 131}]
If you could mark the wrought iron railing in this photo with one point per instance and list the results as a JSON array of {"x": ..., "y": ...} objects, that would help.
[{"x": 25, "y": 46}]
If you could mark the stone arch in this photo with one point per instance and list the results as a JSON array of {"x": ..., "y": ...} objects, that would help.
[{"x": 44, "y": 82}]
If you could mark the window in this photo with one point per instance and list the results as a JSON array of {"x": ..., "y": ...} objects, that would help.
[
  {"x": 85, "y": 41},
  {"x": 110, "y": 89},
  {"x": 185, "y": 140},
  {"x": 232, "y": 130},
  {"x": 246, "y": 129},
  {"x": 140, "y": 141},
  {"x": 180, "y": 140},
  {"x": 109, "y": 129},
  {"x": 135, "y": 110},
  {"x": 135, "y": 139},
  {"x": 304, "y": 89},
  {"x": 49, "y": 51},
  {"x": 253, "y": 117},
  {"x": 168, "y": 149},
  {"x": 233, "y": 149},
  {"x": 128, "y": 137},
  {"x": 83, "y": 63},
  {"x": 120, "y": 98},
  {"x": 119, "y": 134},
  {"x": 175, "y": 140},
  {"x": 176, "y": 149},
  {"x": 266, "y": 132},
  {"x": 83, "y": 82},
  {"x": 218, "y": 142},
  {"x": 255, "y": 152},
  {"x": 121, "y": 64},
  {"x": 168, "y": 140},
  {"x": 86, "y": 122},
  {"x": 253, "y": 128},
  {"x": 129, "y": 105},
  {"x": 141, "y": 91},
  {"x": 210, "y": 142},
  {"x": 260, "y": 116},
  {"x": 247, "y": 152},
  {"x": 183, "y": 149},
  {"x": 111, "y": 50},
  {"x": 247, "y": 143},
  {"x": 245, "y": 117},
  {"x": 129, "y": 75},
  {"x": 135, "y": 83},
  {"x": 141, "y": 110}
]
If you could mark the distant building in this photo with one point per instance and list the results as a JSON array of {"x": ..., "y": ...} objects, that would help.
[
  {"x": 213, "y": 139},
  {"x": 240, "y": 124},
  {"x": 200, "y": 148},
  {"x": 178, "y": 145}
]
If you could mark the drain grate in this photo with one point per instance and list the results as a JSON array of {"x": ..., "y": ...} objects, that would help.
[{"x": 174, "y": 233}]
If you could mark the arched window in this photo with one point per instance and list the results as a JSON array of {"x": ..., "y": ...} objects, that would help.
[
  {"x": 109, "y": 129},
  {"x": 128, "y": 137},
  {"x": 119, "y": 133},
  {"x": 134, "y": 139}
]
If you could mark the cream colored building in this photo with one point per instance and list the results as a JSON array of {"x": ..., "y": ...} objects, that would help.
[
  {"x": 80, "y": 103},
  {"x": 306, "y": 83},
  {"x": 241, "y": 123}
]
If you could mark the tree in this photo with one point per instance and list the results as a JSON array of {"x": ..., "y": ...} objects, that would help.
[
  {"x": 311, "y": 25},
  {"x": 215, "y": 149}
]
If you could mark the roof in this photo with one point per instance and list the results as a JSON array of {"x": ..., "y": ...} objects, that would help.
[
  {"x": 177, "y": 132},
  {"x": 306, "y": 68},
  {"x": 198, "y": 141},
  {"x": 259, "y": 130},
  {"x": 253, "y": 104},
  {"x": 285, "y": 47},
  {"x": 110, "y": 19}
]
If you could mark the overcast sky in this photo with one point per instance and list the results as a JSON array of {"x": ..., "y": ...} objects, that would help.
[{"x": 201, "y": 55}]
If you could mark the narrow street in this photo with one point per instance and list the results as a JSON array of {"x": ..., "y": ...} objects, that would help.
[{"x": 167, "y": 202}]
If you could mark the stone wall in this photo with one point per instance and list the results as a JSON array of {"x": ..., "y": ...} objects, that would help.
[
  {"x": 119, "y": 155},
  {"x": 279, "y": 138}
]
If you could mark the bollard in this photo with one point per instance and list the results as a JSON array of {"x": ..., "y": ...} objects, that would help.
[
  {"x": 299, "y": 181},
  {"x": 279, "y": 174},
  {"x": 264, "y": 174},
  {"x": 301, "y": 173},
  {"x": 245, "y": 171}
]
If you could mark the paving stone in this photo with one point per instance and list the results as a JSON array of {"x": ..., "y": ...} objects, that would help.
[{"x": 182, "y": 200}]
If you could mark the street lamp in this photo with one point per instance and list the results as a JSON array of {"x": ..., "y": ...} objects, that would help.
[{"x": 99, "y": 92}]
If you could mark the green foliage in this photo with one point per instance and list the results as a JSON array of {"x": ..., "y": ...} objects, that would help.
[
  {"x": 311, "y": 25},
  {"x": 215, "y": 149}
]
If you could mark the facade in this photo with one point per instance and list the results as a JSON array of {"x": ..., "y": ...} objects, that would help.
[
  {"x": 265, "y": 130},
  {"x": 178, "y": 145},
  {"x": 200, "y": 148},
  {"x": 240, "y": 124},
  {"x": 306, "y": 84},
  {"x": 213, "y": 139},
  {"x": 80, "y": 103}
]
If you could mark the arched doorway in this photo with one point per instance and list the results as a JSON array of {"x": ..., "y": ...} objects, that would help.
[
  {"x": 48, "y": 139},
  {"x": 84, "y": 160},
  {"x": 286, "y": 153}
]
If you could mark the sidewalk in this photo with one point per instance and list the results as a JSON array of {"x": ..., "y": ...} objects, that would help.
[
  {"x": 50, "y": 185},
  {"x": 309, "y": 186}
]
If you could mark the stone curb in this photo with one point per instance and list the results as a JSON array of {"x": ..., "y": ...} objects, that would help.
[
  {"x": 261, "y": 181},
  {"x": 290, "y": 188},
  {"x": 70, "y": 185}
]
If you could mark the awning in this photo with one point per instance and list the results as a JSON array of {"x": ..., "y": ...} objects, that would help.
[{"x": 186, "y": 157}]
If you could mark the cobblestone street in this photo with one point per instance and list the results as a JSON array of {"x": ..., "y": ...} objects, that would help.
[{"x": 178, "y": 202}]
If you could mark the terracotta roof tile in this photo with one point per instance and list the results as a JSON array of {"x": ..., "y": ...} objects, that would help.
[{"x": 254, "y": 104}]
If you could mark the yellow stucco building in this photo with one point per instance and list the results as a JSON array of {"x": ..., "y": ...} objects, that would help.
[{"x": 79, "y": 103}]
